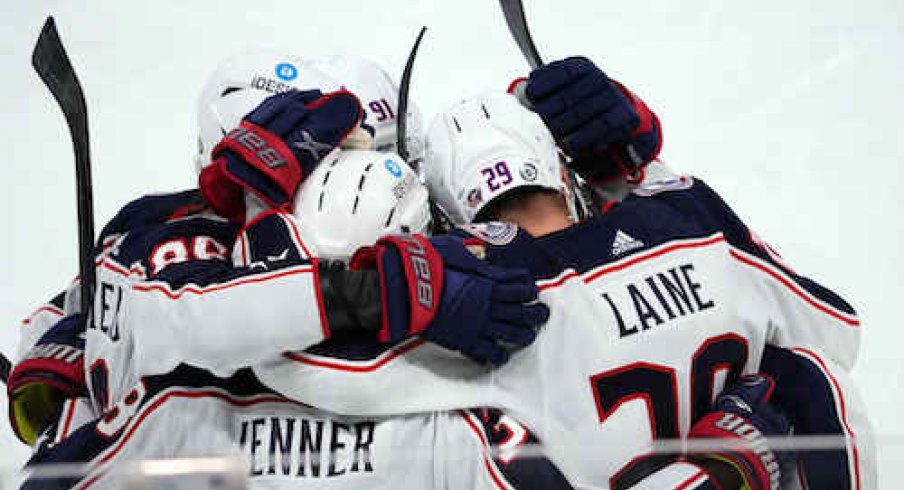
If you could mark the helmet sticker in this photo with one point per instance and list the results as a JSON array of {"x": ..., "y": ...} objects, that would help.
[
  {"x": 528, "y": 172},
  {"x": 393, "y": 168},
  {"x": 286, "y": 72},
  {"x": 494, "y": 232},
  {"x": 474, "y": 198}
]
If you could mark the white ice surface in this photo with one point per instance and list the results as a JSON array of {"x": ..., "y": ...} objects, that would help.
[{"x": 789, "y": 108}]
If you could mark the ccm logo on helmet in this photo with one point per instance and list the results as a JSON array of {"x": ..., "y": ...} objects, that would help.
[
  {"x": 266, "y": 153},
  {"x": 421, "y": 266}
]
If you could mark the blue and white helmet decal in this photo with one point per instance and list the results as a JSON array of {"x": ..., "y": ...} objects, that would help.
[
  {"x": 286, "y": 71},
  {"x": 393, "y": 167}
]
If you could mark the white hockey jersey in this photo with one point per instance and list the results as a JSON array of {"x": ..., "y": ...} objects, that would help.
[{"x": 664, "y": 300}]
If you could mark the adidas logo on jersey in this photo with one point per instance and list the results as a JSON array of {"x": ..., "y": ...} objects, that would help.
[{"x": 624, "y": 242}]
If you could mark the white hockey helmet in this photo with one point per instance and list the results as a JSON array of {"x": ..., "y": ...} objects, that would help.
[
  {"x": 484, "y": 147},
  {"x": 240, "y": 83},
  {"x": 379, "y": 95},
  {"x": 356, "y": 196}
]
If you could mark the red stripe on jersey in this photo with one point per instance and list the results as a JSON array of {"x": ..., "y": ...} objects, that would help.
[
  {"x": 70, "y": 411},
  {"x": 355, "y": 366},
  {"x": 698, "y": 477},
  {"x": 844, "y": 419},
  {"x": 165, "y": 289},
  {"x": 498, "y": 480},
  {"x": 111, "y": 265},
  {"x": 780, "y": 277},
  {"x": 558, "y": 281},
  {"x": 656, "y": 252},
  {"x": 43, "y": 309}
]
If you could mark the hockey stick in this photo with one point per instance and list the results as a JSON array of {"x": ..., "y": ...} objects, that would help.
[
  {"x": 441, "y": 222},
  {"x": 50, "y": 61},
  {"x": 517, "y": 24}
]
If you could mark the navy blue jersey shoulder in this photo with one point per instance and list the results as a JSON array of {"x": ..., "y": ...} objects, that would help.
[
  {"x": 172, "y": 232},
  {"x": 153, "y": 209},
  {"x": 637, "y": 224},
  {"x": 148, "y": 244}
]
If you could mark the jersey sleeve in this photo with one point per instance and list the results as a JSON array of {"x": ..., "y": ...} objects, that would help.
[
  {"x": 820, "y": 398},
  {"x": 206, "y": 311}
]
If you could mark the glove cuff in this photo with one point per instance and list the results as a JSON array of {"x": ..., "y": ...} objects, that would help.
[
  {"x": 222, "y": 192},
  {"x": 751, "y": 456},
  {"x": 266, "y": 164},
  {"x": 411, "y": 271}
]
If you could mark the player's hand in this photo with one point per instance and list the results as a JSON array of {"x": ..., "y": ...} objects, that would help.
[
  {"x": 436, "y": 288},
  {"x": 50, "y": 372},
  {"x": 276, "y": 146},
  {"x": 742, "y": 415},
  {"x": 606, "y": 130}
]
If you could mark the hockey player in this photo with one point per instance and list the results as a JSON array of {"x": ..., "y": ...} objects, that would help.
[
  {"x": 138, "y": 426},
  {"x": 659, "y": 303},
  {"x": 291, "y": 445},
  {"x": 168, "y": 258}
]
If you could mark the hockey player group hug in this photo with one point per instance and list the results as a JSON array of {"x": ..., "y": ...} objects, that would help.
[{"x": 529, "y": 299}]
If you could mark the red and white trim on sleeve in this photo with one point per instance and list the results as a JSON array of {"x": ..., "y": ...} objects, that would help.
[
  {"x": 355, "y": 366},
  {"x": 52, "y": 310},
  {"x": 67, "y": 415},
  {"x": 174, "y": 294},
  {"x": 782, "y": 278}
]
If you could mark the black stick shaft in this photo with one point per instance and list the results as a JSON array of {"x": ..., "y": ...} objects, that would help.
[
  {"x": 517, "y": 24},
  {"x": 404, "y": 88},
  {"x": 52, "y": 64}
]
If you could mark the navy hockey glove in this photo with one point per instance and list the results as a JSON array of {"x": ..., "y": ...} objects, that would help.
[
  {"x": 276, "y": 146},
  {"x": 603, "y": 127},
  {"x": 50, "y": 372},
  {"x": 742, "y": 414},
  {"x": 439, "y": 290}
]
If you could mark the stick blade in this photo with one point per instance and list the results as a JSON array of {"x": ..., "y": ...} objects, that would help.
[
  {"x": 517, "y": 24},
  {"x": 52, "y": 64}
]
